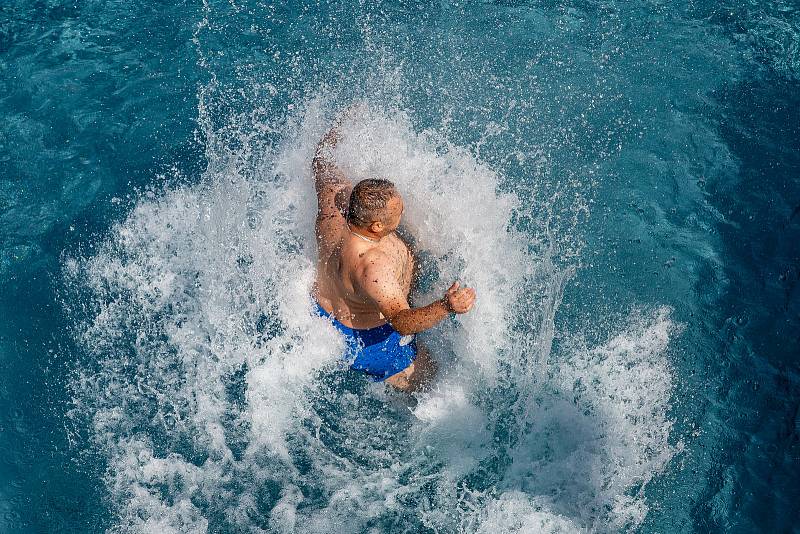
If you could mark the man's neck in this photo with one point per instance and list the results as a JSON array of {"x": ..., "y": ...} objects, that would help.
[{"x": 365, "y": 236}]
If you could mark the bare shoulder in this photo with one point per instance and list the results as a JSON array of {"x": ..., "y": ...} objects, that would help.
[
  {"x": 375, "y": 259},
  {"x": 374, "y": 265},
  {"x": 376, "y": 279}
]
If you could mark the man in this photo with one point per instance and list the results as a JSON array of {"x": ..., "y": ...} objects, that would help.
[{"x": 364, "y": 275}]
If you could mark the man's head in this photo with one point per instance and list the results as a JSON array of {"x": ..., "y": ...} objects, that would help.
[{"x": 375, "y": 205}]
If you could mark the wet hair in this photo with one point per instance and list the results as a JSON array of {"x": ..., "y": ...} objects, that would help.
[{"x": 368, "y": 201}]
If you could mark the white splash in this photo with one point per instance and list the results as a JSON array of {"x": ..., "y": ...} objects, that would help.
[{"x": 214, "y": 391}]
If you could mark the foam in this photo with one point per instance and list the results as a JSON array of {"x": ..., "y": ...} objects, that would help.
[
  {"x": 600, "y": 426},
  {"x": 516, "y": 512},
  {"x": 213, "y": 389}
]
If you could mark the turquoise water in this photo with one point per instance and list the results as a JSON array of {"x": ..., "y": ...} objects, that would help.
[{"x": 619, "y": 181}]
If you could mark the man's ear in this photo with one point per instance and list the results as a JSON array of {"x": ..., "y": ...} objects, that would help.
[{"x": 376, "y": 227}]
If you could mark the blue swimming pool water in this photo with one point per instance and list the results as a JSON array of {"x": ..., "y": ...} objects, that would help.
[{"x": 619, "y": 181}]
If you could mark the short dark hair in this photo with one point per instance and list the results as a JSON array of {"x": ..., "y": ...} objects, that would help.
[{"x": 368, "y": 201}]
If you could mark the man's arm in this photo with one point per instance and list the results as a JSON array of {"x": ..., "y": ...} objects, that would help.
[
  {"x": 379, "y": 282},
  {"x": 332, "y": 186}
]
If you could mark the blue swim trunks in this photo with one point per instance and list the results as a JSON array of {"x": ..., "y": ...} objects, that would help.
[{"x": 380, "y": 352}]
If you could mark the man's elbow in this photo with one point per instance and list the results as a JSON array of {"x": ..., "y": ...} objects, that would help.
[
  {"x": 404, "y": 331},
  {"x": 401, "y": 326}
]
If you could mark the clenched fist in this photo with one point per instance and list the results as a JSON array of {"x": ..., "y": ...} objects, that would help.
[{"x": 459, "y": 300}]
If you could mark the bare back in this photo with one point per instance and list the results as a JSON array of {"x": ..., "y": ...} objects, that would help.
[{"x": 344, "y": 259}]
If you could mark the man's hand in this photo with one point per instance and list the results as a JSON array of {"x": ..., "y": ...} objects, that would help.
[{"x": 459, "y": 300}]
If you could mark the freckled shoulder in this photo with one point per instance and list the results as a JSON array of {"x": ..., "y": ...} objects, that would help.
[{"x": 373, "y": 258}]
